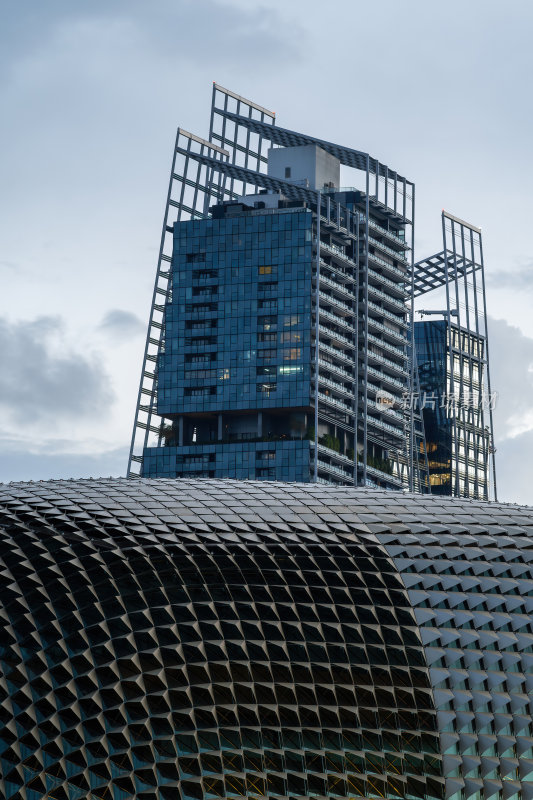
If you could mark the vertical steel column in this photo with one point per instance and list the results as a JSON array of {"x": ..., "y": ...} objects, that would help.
[
  {"x": 417, "y": 385},
  {"x": 457, "y": 411},
  {"x": 480, "y": 378},
  {"x": 491, "y": 443},
  {"x": 468, "y": 411},
  {"x": 317, "y": 327},
  {"x": 356, "y": 409},
  {"x": 451, "y": 387},
  {"x": 150, "y": 322},
  {"x": 412, "y": 333},
  {"x": 365, "y": 369},
  {"x": 209, "y": 180}
]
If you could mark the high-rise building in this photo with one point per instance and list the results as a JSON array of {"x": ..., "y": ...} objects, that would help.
[
  {"x": 450, "y": 368},
  {"x": 452, "y": 360},
  {"x": 280, "y": 340},
  {"x": 164, "y": 639}
]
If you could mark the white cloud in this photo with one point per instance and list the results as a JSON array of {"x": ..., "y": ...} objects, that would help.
[
  {"x": 514, "y": 469},
  {"x": 511, "y": 363}
]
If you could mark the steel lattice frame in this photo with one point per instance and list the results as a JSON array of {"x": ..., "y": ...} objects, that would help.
[
  {"x": 196, "y": 182},
  {"x": 234, "y": 159},
  {"x": 459, "y": 270}
]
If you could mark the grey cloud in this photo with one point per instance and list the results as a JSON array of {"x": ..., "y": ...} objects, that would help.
[
  {"x": 511, "y": 361},
  {"x": 180, "y": 28},
  {"x": 515, "y": 469},
  {"x": 517, "y": 279},
  {"x": 19, "y": 463},
  {"x": 122, "y": 324},
  {"x": 38, "y": 383}
]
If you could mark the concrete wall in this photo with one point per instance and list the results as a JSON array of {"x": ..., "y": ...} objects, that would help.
[{"x": 307, "y": 162}]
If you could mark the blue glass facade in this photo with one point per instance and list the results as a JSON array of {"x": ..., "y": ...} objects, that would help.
[
  {"x": 286, "y": 460},
  {"x": 237, "y": 347},
  {"x": 431, "y": 350},
  {"x": 238, "y": 327},
  {"x": 451, "y": 363},
  {"x": 239, "y": 361}
]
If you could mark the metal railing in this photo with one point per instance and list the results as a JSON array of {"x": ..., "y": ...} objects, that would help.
[
  {"x": 401, "y": 337},
  {"x": 334, "y": 335},
  {"x": 387, "y": 314},
  {"x": 386, "y": 345},
  {"x": 333, "y": 300},
  {"x": 382, "y": 279},
  {"x": 395, "y": 253},
  {"x": 334, "y": 368},
  {"x": 334, "y": 351},
  {"x": 387, "y": 297},
  {"x": 390, "y": 267}
]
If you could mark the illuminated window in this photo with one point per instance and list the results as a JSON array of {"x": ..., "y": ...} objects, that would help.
[{"x": 292, "y": 354}]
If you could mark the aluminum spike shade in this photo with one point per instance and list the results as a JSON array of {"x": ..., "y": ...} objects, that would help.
[{"x": 191, "y": 639}]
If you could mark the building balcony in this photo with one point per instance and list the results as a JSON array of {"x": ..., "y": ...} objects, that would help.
[
  {"x": 385, "y": 426},
  {"x": 340, "y": 388},
  {"x": 386, "y": 234},
  {"x": 205, "y": 330},
  {"x": 393, "y": 302},
  {"x": 342, "y": 322},
  {"x": 398, "y": 290},
  {"x": 398, "y": 255},
  {"x": 328, "y": 451},
  {"x": 336, "y": 353},
  {"x": 390, "y": 348},
  {"x": 193, "y": 313},
  {"x": 394, "y": 335},
  {"x": 388, "y": 210},
  {"x": 336, "y": 470},
  {"x": 192, "y": 347},
  {"x": 379, "y": 358},
  {"x": 347, "y": 376},
  {"x": 391, "y": 269},
  {"x": 341, "y": 277},
  {"x": 342, "y": 290},
  {"x": 395, "y": 392},
  {"x": 383, "y": 311},
  {"x": 205, "y": 294},
  {"x": 333, "y": 401},
  {"x": 339, "y": 305},
  {"x": 382, "y": 376},
  {"x": 336, "y": 253},
  {"x": 393, "y": 480},
  {"x": 333, "y": 222},
  {"x": 336, "y": 335},
  {"x": 383, "y": 409}
]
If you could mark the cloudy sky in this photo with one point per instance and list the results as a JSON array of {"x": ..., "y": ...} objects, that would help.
[{"x": 92, "y": 92}]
